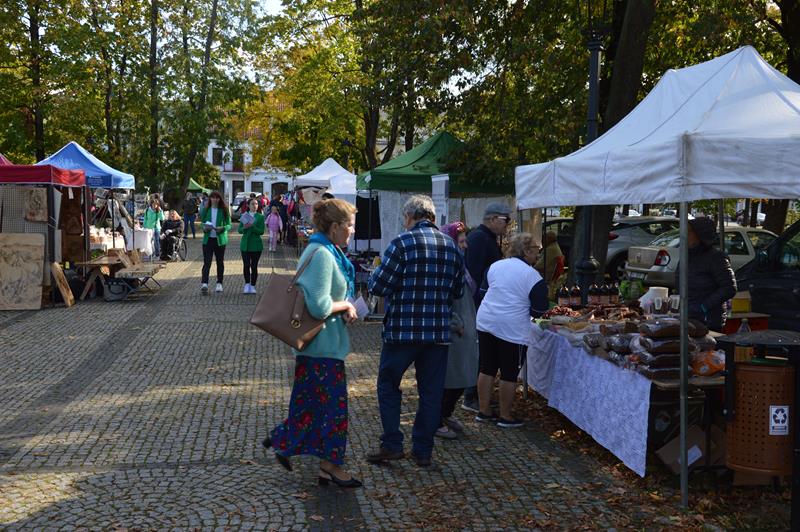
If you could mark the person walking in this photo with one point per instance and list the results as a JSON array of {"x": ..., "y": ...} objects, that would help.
[
  {"x": 420, "y": 276},
  {"x": 462, "y": 357},
  {"x": 189, "y": 214},
  {"x": 251, "y": 227},
  {"x": 275, "y": 224},
  {"x": 483, "y": 250},
  {"x": 171, "y": 232},
  {"x": 317, "y": 421},
  {"x": 514, "y": 293},
  {"x": 216, "y": 221},
  {"x": 153, "y": 217}
]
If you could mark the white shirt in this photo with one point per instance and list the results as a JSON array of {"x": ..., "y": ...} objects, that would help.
[
  {"x": 214, "y": 213},
  {"x": 505, "y": 311}
]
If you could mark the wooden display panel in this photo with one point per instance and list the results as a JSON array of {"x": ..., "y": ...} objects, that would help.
[
  {"x": 21, "y": 271},
  {"x": 63, "y": 285}
]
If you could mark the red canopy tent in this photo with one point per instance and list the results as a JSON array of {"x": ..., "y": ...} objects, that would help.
[
  {"x": 3, "y": 160},
  {"x": 17, "y": 174}
]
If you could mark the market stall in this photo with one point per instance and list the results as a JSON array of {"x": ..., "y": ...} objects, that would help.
[
  {"x": 43, "y": 220},
  {"x": 724, "y": 128},
  {"x": 330, "y": 175}
]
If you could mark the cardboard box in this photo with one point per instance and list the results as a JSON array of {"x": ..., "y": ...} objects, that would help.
[
  {"x": 695, "y": 445},
  {"x": 742, "y": 302}
]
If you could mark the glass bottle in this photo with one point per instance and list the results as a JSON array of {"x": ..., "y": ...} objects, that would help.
[{"x": 575, "y": 297}]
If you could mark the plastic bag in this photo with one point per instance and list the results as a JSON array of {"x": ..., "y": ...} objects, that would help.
[
  {"x": 662, "y": 328},
  {"x": 708, "y": 363},
  {"x": 660, "y": 373},
  {"x": 661, "y": 346},
  {"x": 621, "y": 343},
  {"x": 660, "y": 361}
]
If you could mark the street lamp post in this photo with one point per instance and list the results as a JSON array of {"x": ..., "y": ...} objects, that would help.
[{"x": 587, "y": 267}]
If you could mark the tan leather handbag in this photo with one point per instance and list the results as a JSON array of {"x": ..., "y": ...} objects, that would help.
[{"x": 282, "y": 311}]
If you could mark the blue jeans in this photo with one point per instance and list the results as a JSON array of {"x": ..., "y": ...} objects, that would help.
[
  {"x": 430, "y": 362},
  {"x": 156, "y": 243},
  {"x": 188, "y": 222}
]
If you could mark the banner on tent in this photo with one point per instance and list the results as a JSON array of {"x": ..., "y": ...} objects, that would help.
[{"x": 440, "y": 193}]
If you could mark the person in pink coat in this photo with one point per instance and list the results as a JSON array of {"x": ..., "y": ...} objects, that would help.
[{"x": 275, "y": 226}]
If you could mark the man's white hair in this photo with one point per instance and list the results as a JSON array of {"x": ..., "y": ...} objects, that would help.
[{"x": 420, "y": 207}]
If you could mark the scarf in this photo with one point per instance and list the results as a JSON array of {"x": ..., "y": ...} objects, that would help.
[{"x": 345, "y": 266}]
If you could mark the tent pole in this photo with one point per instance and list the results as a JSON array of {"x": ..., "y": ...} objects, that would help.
[
  {"x": 369, "y": 223},
  {"x": 52, "y": 223},
  {"x": 113, "y": 228},
  {"x": 721, "y": 219},
  {"x": 86, "y": 242},
  {"x": 683, "y": 265}
]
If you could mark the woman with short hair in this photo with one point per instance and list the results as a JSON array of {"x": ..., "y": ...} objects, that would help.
[{"x": 514, "y": 293}]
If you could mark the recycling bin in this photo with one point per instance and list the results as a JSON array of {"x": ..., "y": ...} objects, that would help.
[{"x": 761, "y": 433}]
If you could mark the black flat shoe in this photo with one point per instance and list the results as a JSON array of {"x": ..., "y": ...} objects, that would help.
[
  {"x": 326, "y": 478},
  {"x": 267, "y": 443},
  {"x": 282, "y": 460}
]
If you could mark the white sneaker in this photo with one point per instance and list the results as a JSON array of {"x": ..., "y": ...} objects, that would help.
[
  {"x": 218, "y": 289},
  {"x": 246, "y": 288},
  {"x": 253, "y": 289},
  {"x": 204, "y": 288}
]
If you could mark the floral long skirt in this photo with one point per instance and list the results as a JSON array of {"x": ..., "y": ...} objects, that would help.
[{"x": 317, "y": 422}]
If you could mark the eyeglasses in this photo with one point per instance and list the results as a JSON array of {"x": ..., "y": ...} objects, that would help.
[{"x": 506, "y": 219}]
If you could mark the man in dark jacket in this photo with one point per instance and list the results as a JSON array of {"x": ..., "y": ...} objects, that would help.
[
  {"x": 711, "y": 278},
  {"x": 483, "y": 250}
]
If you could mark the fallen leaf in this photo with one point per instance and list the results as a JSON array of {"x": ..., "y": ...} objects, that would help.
[
  {"x": 317, "y": 518},
  {"x": 481, "y": 449},
  {"x": 302, "y": 495},
  {"x": 655, "y": 497},
  {"x": 552, "y": 486},
  {"x": 247, "y": 462}
]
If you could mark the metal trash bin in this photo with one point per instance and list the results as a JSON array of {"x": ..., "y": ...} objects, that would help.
[{"x": 761, "y": 434}]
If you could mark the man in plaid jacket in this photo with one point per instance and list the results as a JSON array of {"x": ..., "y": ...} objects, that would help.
[{"x": 420, "y": 275}]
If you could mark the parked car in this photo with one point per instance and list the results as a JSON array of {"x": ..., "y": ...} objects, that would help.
[
  {"x": 235, "y": 212},
  {"x": 773, "y": 280},
  {"x": 656, "y": 264},
  {"x": 626, "y": 232}
]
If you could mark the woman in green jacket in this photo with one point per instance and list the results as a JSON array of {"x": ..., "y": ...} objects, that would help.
[
  {"x": 251, "y": 227},
  {"x": 216, "y": 224},
  {"x": 153, "y": 217},
  {"x": 317, "y": 421}
]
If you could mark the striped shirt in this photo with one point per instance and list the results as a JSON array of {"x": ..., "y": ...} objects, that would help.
[{"x": 421, "y": 274}]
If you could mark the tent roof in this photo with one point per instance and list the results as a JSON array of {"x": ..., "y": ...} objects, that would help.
[
  {"x": 17, "y": 174},
  {"x": 328, "y": 173},
  {"x": 726, "y": 128},
  {"x": 411, "y": 171},
  {"x": 4, "y": 161},
  {"x": 98, "y": 174},
  {"x": 194, "y": 186}
]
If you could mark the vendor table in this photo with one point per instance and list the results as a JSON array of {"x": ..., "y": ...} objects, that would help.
[
  {"x": 785, "y": 344},
  {"x": 98, "y": 268},
  {"x": 755, "y": 320}
]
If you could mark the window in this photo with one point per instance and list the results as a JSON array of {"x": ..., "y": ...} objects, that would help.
[
  {"x": 216, "y": 157},
  {"x": 238, "y": 186},
  {"x": 658, "y": 228},
  {"x": 257, "y": 187},
  {"x": 238, "y": 160},
  {"x": 790, "y": 254},
  {"x": 734, "y": 244},
  {"x": 670, "y": 239},
  {"x": 760, "y": 240}
]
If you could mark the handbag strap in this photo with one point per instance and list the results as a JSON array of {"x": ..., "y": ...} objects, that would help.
[{"x": 303, "y": 268}]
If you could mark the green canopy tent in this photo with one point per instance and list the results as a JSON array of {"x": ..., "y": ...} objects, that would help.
[
  {"x": 194, "y": 186},
  {"x": 412, "y": 170}
]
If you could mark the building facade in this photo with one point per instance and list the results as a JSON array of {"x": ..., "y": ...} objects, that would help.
[{"x": 238, "y": 176}]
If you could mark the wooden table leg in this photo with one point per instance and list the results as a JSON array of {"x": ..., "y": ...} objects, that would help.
[{"x": 92, "y": 278}]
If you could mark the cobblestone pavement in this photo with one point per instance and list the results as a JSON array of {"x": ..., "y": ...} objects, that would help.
[{"x": 148, "y": 415}]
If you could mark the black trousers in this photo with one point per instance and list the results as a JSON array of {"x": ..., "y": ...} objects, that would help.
[
  {"x": 250, "y": 260},
  {"x": 449, "y": 400},
  {"x": 211, "y": 250}
]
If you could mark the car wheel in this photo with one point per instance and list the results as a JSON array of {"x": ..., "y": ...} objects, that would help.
[{"x": 616, "y": 268}]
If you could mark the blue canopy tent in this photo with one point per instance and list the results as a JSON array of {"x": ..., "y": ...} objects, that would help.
[{"x": 73, "y": 156}]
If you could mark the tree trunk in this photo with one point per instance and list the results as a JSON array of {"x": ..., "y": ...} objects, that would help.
[
  {"x": 624, "y": 86},
  {"x": 34, "y": 9},
  {"x": 776, "y": 211},
  {"x": 408, "y": 124},
  {"x": 153, "y": 91},
  {"x": 123, "y": 67},
  {"x": 392, "y": 142},
  {"x": 371, "y": 117},
  {"x": 200, "y": 110}
]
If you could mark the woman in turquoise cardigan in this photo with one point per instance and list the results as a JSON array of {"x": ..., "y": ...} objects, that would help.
[
  {"x": 216, "y": 224},
  {"x": 251, "y": 227},
  {"x": 317, "y": 421}
]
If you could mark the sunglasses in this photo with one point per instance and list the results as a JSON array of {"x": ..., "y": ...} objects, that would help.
[{"x": 506, "y": 219}]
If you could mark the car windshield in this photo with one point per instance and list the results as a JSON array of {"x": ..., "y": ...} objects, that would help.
[{"x": 670, "y": 239}]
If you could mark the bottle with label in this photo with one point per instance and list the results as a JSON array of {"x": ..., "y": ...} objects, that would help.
[
  {"x": 743, "y": 353},
  {"x": 744, "y": 327},
  {"x": 615, "y": 294},
  {"x": 575, "y": 297},
  {"x": 593, "y": 296},
  {"x": 563, "y": 297},
  {"x": 605, "y": 294}
]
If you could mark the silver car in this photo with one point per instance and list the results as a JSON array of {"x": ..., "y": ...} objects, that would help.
[{"x": 656, "y": 264}]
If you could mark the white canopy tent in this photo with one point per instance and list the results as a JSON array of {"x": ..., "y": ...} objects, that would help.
[
  {"x": 330, "y": 175},
  {"x": 726, "y": 128}
]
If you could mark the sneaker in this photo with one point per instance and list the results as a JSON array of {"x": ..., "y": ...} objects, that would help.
[
  {"x": 446, "y": 433},
  {"x": 454, "y": 424},
  {"x": 218, "y": 289},
  {"x": 246, "y": 288},
  {"x": 484, "y": 418},
  {"x": 253, "y": 290},
  {"x": 471, "y": 406},
  {"x": 384, "y": 455},
  {"x": 204, "y": 288},
  {"x": 509, "y": 423}
]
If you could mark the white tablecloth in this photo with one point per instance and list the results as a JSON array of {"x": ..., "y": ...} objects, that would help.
[
  {"x": 607, "y": 402},
  {"x": 144, "y": 241}
]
